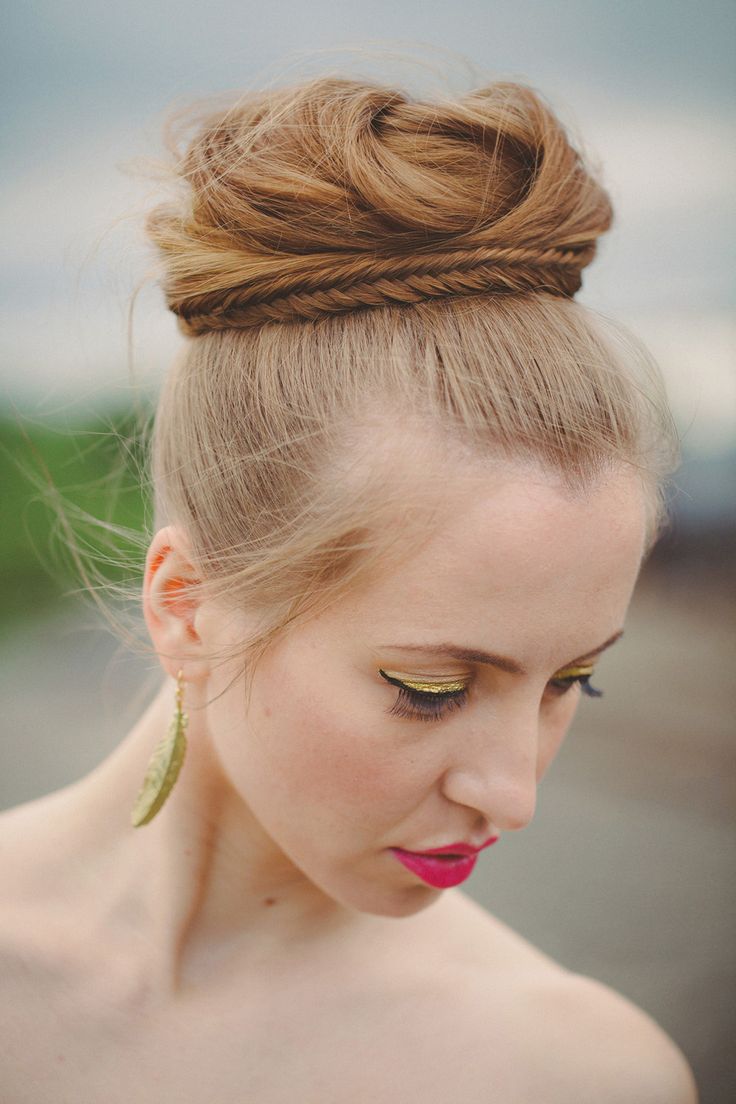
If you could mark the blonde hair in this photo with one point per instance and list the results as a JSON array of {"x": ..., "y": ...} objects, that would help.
[{"x": 349, "y": 261}]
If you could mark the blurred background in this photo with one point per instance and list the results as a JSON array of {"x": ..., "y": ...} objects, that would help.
[{"x": 627, "y": 872}]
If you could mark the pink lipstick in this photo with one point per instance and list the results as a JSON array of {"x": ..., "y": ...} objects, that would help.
[{"x": 442, "y": 867}]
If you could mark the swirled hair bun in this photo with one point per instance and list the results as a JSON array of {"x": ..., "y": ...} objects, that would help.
[{"x": 337, "y": 194}]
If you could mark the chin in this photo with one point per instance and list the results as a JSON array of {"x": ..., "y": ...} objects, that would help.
[
  {"x": 414, "y": 900},
  {"x": 395, "y": 902}
]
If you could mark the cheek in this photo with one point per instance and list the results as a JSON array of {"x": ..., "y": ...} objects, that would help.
[
  {"x": 319, "y": 758},
  {"x": 553, "y": 729}
]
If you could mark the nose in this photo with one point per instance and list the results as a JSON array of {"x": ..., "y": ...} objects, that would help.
[{"x": 497, "y": 776}]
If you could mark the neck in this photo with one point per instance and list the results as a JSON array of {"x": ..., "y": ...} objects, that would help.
[{"x": 202, "y": 885}]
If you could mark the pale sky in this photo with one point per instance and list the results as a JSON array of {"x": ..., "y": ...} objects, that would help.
[{"x": 650, "y": 87}]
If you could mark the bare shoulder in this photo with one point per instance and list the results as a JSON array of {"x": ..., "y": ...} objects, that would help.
[
  {"x": 32, "y": 949},
  {"x": 20, "y": 829},
  {"x": 573, "y": 1037},
  {"x": 609, "y": 1047},
  {"x": 31, "y": 838},
  {"x": 40, "y": 880}
]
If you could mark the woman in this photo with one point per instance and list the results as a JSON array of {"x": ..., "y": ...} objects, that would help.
[{"x": 404, "y": 485}]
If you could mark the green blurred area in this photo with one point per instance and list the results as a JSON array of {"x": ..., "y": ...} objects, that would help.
[
  {"x": 88, "y": 476},
  {"x": 84, "y": 482}
]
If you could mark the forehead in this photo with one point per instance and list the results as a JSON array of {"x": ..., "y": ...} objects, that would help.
[
  {"x": 520, "y": 517},
  {"x": 509, "y": 544}
]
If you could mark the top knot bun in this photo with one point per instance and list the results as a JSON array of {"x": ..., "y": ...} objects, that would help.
[{"x": 339, "y": 194}]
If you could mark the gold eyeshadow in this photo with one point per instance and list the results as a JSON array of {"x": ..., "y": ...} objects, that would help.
[
  {"x": 427, "y": 686},
  {"x": 581, "y": 671},
  {"x": 453, "y": 685},
  {"x": 428, "y": 699}
]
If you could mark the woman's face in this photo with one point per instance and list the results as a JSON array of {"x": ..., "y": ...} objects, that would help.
[{"x": 338, "y": 765}]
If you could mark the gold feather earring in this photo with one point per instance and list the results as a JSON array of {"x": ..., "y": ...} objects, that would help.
[{"x": 164, "y": 765}]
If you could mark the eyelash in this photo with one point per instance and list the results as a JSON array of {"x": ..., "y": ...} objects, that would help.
[{"x": 425, "y": 706}]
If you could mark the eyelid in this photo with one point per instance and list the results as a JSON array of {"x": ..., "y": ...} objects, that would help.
[
  {"x": 575, "y": 670},
  {"x": 427, "y": 685},
  {"x": 454, "y": 684}
]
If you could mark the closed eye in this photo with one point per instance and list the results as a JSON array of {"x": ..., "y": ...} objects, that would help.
[
  {"x": 438, "y": 699},
  {"x": 426, "y": 704},
  {"x": 563, "y": 680}
]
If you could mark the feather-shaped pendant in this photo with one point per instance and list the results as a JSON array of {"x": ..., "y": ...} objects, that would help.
[{"x": 163, "y": 770}]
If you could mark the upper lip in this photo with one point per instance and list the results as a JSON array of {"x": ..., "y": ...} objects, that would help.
[{"x": 458, "y": 848}]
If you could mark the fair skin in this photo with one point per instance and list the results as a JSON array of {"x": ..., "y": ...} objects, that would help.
[{"x": 258, "y": 940}]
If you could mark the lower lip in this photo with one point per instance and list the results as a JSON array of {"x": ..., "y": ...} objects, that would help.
[{"x": 440, "y": 873}]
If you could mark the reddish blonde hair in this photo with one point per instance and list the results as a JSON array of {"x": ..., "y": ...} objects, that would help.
[{"x": 348, "y": 261}]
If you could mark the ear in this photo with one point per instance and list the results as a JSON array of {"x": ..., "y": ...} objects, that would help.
[{"x": 171, "y": 613}]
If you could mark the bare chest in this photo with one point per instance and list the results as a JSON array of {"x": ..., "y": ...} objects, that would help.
[{"x": 320, "y": 1044}]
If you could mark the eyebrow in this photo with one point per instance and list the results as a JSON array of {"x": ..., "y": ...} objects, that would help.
[{"x": 503, "y": 663}]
